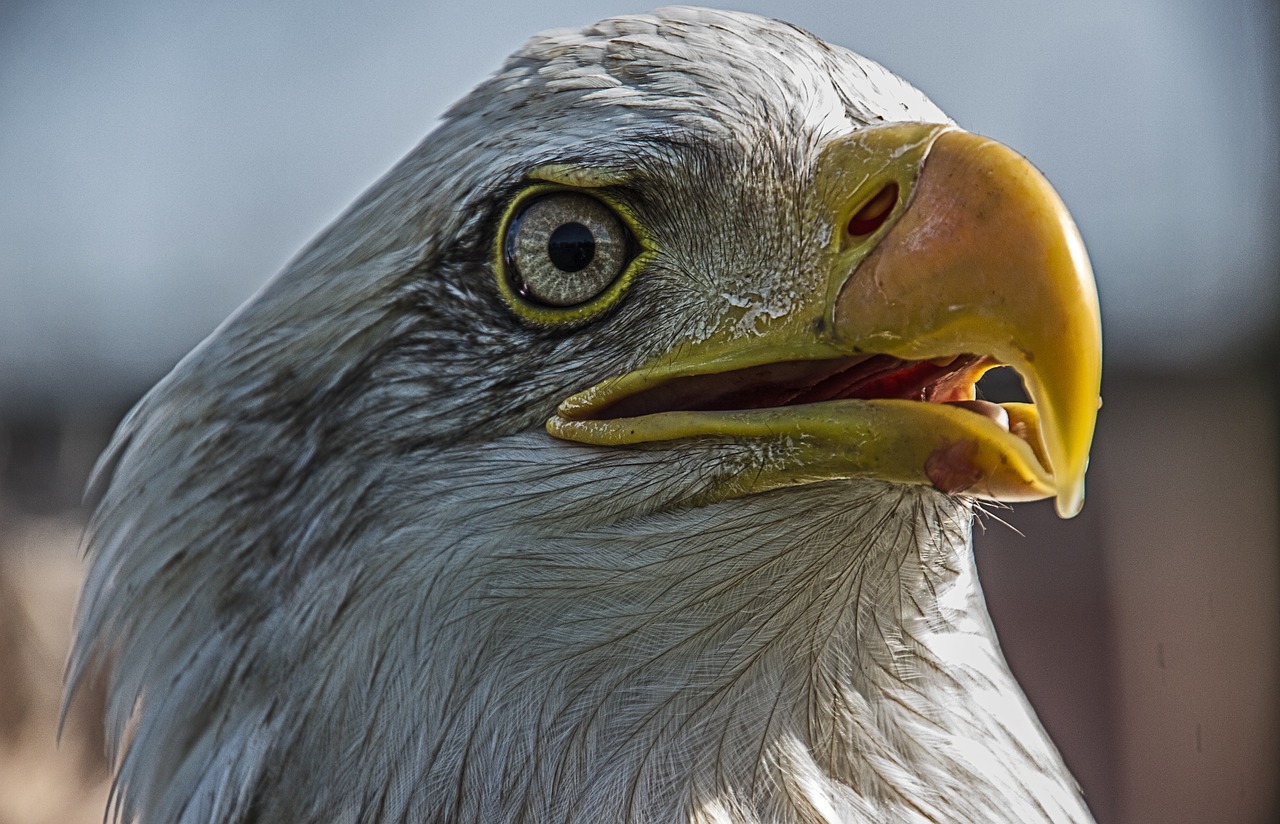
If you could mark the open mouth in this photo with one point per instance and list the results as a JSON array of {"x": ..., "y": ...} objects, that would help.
[
  {"x": 792, "y": 383},
  {"x": 949, "y": 380},
  {"x": 918, "y": 413}
]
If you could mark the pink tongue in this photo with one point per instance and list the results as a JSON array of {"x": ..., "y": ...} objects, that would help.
[{"x": 986, "y": 409}]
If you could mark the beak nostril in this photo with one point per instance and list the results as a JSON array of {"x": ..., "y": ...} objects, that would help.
[{"x": 874, "y": 212}]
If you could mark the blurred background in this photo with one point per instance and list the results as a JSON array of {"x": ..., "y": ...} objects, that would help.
[{"x": 160, "y": 160}]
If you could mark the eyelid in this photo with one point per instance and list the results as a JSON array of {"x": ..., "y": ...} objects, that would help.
[{"x": 581, "y": 177}]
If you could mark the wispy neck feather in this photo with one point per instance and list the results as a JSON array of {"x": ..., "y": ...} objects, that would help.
[{"x": 538, "y": 634}]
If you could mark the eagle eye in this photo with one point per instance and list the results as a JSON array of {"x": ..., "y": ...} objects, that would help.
[{"x": 564, "y": 249}]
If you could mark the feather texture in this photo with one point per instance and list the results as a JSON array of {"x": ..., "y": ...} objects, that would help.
[{"x": 340, "y": 574}]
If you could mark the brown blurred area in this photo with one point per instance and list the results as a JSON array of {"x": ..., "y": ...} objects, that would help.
[
  {"x": 1146, "y": 631},
  {"x": 43, "y": 465}
]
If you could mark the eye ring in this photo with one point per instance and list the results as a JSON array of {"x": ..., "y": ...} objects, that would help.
[{"x": 564, "y": 255}]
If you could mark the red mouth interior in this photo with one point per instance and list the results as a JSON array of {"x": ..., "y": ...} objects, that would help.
[{"x": 790, "y": 383}]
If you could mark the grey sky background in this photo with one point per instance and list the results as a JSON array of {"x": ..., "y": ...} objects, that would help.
[{"x": 160, "y": 160}]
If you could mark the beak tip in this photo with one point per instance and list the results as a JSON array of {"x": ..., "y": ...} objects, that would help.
[{"x": 1070, "y": 500}]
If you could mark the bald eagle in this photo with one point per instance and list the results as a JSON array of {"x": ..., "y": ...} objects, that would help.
[{"x": 612, "y": 459}]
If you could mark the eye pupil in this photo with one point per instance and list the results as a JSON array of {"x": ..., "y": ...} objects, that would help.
[{"x": 571, "y": 247}]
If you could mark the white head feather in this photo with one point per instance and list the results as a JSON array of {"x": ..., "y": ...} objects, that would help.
[{"x": 340, "y": 573}]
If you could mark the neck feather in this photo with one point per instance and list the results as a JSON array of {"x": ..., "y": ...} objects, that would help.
[{"x": 544, "y": 636}]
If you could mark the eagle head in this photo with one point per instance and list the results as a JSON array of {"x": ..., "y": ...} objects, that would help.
[{"x": 613, "y": 458}]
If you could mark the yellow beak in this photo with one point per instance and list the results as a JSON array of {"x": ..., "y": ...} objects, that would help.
[{"x": 977, "y": 257}]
